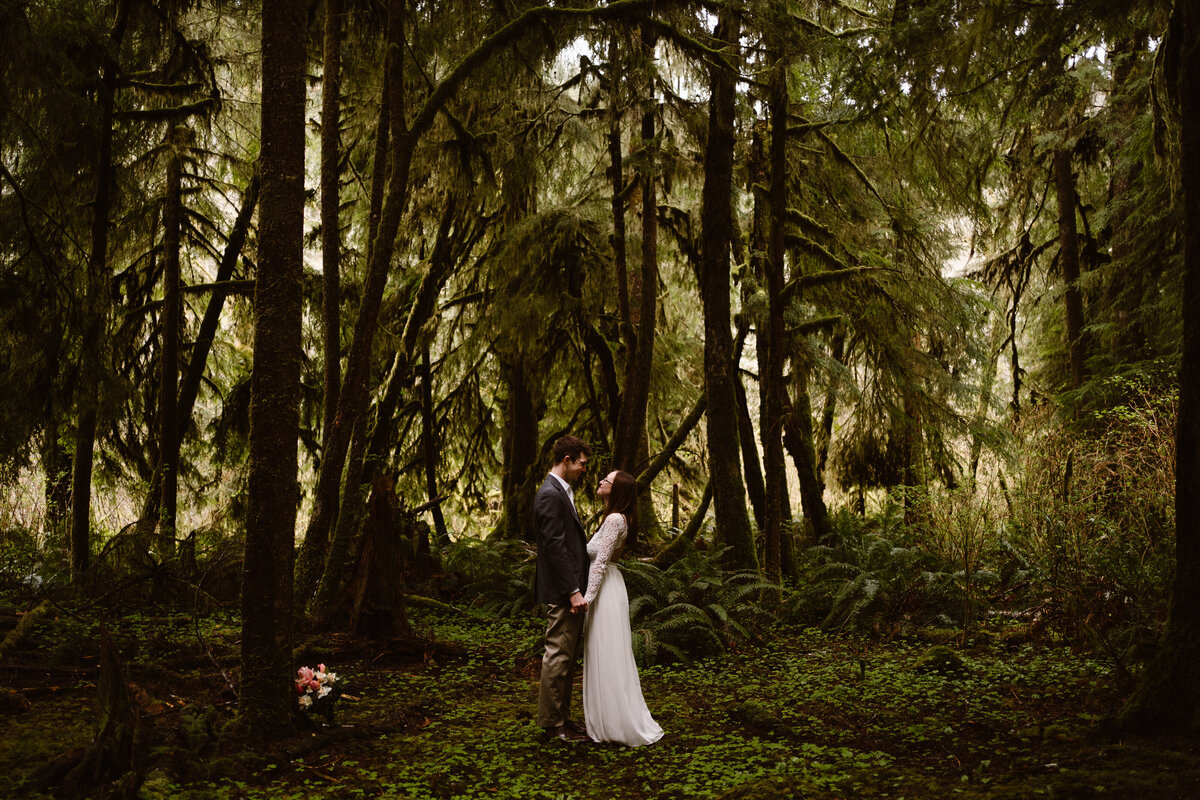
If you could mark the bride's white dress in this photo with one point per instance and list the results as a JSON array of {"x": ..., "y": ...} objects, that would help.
[{"x": 613, "y": 707}]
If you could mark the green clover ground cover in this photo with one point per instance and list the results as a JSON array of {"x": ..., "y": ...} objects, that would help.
[{"x": 801, "y": 714}]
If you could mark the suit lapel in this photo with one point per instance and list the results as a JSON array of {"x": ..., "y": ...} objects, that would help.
[{"x": 566, "y": 499}]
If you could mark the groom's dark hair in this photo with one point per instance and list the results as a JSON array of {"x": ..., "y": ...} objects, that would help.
[{"x": 570, "y": 446}]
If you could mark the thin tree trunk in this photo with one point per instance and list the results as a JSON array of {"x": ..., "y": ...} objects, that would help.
[
  {"x": 724, "y": 465},
  {"x": 1068, "y": 241},
  {"x": 771, "y": 372},
  {"x": 189, "y": 387},
  {"x": 56, "y": 464},
  {"x": 825, "y": 432},
  {"x": 354, "y": 394},
  {"x": 1168, "y": 697},
  {"x": 331, "y": 239},
  {"x": 352, "y": 399},
  {"x": 987, "y": 384},
  {"x": 678, "y": 546},
  {"x": 755, "y": 484},
  {"x": 169, "y": 368},
  {"x": 351, "y": 503},
  {"x": 355, "y": 490},
  {"x": 617, "y": 176},
  {"x": 267, "y": 695},
  {"x": 798, "y": 435},
  {"x": 96, "y": 308},
  {"x": 1129, "y": 99},
  {"x": 632, "y": 423},
  {"x": 663, "y": 457},
  {"x": 429, "y": 443}
]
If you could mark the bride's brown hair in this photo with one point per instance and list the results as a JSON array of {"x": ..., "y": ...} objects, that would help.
[{"x": 622, "y": 499}]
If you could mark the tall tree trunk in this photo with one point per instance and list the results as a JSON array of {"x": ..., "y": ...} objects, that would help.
[
  {"x": 520, "y": 454},
  {"x": 171, "y": 324},
  {"x": 403, "y": 138},
  {"x": 96, "y": 309},
  {"x": 353, "y": 397},
  {"x": 267, "y": 696},
  {"x": 986, "y": 385},
  {"x": 1168, "y": 697},
  {"x": 771, "y": 371},
  {"x": 56, "y": 464},
  {"x": 189, "y": 387},
  {"x": 331, "y": 239},
  {"x": 1068, "y": 241},
  {"x": 825, "y": 432},
  {"x": 716, "y": 214},
  {"x": 798, "y": 436},
  {"x": 371, "y": 445},
  {"x": 755, "y": 485},
  {"x": 632, "y": 423},
  {"x": 1129, "y": 99},
  {"x": 429, "y": 447},
  {"x": 356, "y": 487},
  {"x": 617, "y": 177},
  {"x": 354, "y": 490}
]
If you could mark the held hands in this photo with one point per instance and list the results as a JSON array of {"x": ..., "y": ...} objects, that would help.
[{"x": 578, "y": 604}]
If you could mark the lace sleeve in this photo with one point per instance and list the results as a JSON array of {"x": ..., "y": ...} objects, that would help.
[{"x": 600, "y": 550}]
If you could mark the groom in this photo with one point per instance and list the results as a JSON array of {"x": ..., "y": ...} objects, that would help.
[{"x": 562, "y": 568}]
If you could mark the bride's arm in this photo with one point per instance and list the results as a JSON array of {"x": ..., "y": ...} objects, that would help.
[{"x": 607, "y": 539}]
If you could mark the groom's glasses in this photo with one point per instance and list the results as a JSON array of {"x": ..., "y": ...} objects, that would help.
[{"x": 604, "y": 481}]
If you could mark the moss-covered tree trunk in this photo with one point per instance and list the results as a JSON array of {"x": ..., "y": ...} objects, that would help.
[
  {"x": 771, "y": 370},
  {"x": 751, "y": 463},
  {"x": 799, "y": 439},
  {"x": 724, "y": 467},
  {"x": 430, "y": 447},
  {"x": 331, "y": 239},
  {"x": 267, "y": 696},
  {"x": 616, "y": 175},
  {"x": 1068, "y": 253},
  {"x": 520, "y": 454},
  {"x": 1169, "y": 695},
  {"x": 631, "y": 425},
  {"x": 824, "y": 433}
]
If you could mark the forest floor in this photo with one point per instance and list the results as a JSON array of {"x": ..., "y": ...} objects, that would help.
[{"x": 800, "y": 713}]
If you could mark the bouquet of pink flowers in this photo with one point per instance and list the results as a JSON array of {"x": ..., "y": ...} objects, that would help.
[{"x": 318, "y": 689}]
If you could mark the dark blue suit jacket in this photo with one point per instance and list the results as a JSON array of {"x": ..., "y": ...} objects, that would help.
[{"x": 562, "y": 562}]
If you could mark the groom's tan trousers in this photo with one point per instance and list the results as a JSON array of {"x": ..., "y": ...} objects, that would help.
[{"x": 558, "y": 665}]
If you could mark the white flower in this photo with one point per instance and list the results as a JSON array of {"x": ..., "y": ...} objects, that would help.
[
  {"x": 305, "y": 701},
  {"x": 324, "y": 691}
]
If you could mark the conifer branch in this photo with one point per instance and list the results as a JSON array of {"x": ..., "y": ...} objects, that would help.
[
  {"x": 822, "y": 278},
  {"x": 841, "y": 156},
  {"x": 198, "y": 108}
]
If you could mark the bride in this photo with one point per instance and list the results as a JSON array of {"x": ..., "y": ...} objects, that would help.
[{"x": 613, "y": 707}]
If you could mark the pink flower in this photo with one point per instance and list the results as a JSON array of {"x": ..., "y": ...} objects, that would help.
[
  {"x": 314, "y": 685},
  {"x": 320, "y": 667},
  {"x": 305, "y": 674}
]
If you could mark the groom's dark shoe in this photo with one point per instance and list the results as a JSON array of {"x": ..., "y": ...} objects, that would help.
[
  {"x": 566, "y": 733},
  {"x": 578, "y": 727}
]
